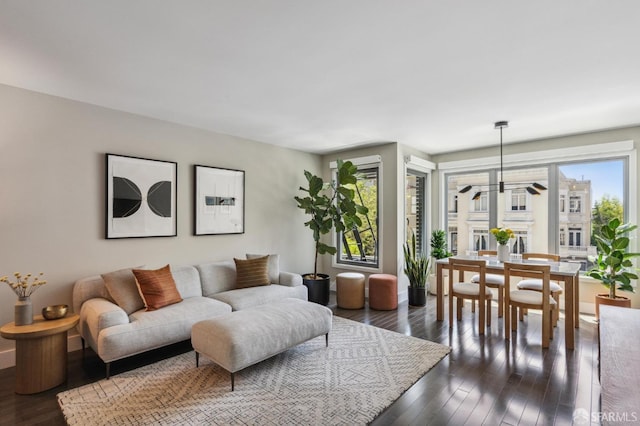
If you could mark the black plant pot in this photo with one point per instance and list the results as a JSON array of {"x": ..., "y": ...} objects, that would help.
[
  {"x": 318, "y": 288},
  {"x": 417, "y": 296}
]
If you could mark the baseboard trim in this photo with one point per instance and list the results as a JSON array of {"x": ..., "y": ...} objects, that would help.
[{"x": 8, "y": 357}]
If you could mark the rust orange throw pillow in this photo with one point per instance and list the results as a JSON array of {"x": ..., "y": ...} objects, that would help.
[
  {"x": 251, "y": 272},
  {"x": 157, "y": 287}
]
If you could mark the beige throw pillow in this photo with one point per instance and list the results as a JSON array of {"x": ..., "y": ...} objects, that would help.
[
  {"x": 157, "y": 287},
  {"x": 123, "y": 289},
  {"x": 251, "y": 272}
]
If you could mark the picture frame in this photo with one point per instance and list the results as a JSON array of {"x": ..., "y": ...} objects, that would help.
[
  {"x": 218, "y": 200},
  {"x": 141, "y": 197}
]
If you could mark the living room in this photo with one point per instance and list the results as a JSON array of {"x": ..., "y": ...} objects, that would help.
[{"x": 59, "y": 123}]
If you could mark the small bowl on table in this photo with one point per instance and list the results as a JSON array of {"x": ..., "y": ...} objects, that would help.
[{"x": 55, "y": 312}]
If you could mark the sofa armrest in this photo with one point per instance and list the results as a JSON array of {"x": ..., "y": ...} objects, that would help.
[
  {"x": 98, "y": 314},
  {"x": 290, "y": 279}
]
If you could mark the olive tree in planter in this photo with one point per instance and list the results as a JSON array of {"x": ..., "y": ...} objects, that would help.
[
  {"x": 331, "y": 205},
  {"x": 438, "y": 251},
  {"x": 613, "y": 265},
  {"x": 416, "y": 268}
]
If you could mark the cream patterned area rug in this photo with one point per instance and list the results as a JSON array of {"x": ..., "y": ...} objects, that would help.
[{"x": 362, "y": 372}]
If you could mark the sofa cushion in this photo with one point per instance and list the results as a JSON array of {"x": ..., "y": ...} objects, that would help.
[
  {"x": 157, "y": 287},
  {"x": 187, "y": 280},
  {"x": 253, "y": 296},
  {"x": 217, "y": 277},
  {"x": 123, "y": 290},
  {"x": 153, "y": 329},
  {"x": 273, "y": 266},
  {"x": 251, "y": 272}
]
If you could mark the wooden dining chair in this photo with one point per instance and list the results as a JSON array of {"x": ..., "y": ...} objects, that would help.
[
  {"x": 536, "y": 284},
  {"x": 528, "y": 299},
  {"x": 461, "y": 290},
  {"x": 492, "y": 281}
]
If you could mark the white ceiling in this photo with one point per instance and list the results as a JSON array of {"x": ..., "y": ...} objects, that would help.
[{"x": 328, "y": 74}]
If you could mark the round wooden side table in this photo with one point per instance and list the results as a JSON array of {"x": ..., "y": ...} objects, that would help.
[{"x": 41, "y": 352}]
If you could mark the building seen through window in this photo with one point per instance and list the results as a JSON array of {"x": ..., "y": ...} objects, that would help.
[{"x": 588, "y": 195}]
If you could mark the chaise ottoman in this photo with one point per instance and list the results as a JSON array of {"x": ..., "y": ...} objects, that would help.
[{"x": 242, "y": 338}]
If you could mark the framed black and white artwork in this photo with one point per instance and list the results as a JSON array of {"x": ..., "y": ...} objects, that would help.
[
  {"x": 141, "y": 197},
  {"x": 219, "y": 201}
]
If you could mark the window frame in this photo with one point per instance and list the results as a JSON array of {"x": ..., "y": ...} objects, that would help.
[
  {"x": 522, "y": 203},
  {"x": 373, "y": 161},
  {"x": 423, "y": 221},
  {"x": 623, "y": 150}
]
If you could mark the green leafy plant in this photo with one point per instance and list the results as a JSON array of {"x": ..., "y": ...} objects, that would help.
[
  {"x": 330, "y": 205},
  {"x": 439, "y": 244},
  {"x": 416, "y": 265},
  {"x": 613, "y": 264}
]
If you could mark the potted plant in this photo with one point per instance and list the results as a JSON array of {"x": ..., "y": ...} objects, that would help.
[
  {"x": 613, "y": 266},
  {"x": 331, "y": 205},
  {"x": 439, "y": 250},
  {"x": 502, "y": 235},
  {"x": 416, "y": 267}
]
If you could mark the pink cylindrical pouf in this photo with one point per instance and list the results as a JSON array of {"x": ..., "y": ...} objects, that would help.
[{"x": 383, "y": 292}]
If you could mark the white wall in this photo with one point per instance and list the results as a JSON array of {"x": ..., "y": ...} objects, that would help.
[{"x": 52, "y": 183}]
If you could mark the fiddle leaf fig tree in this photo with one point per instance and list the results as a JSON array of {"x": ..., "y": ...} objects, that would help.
[
  {"x": 330, "y": 205},
  {"x": 613, "y": 266}
]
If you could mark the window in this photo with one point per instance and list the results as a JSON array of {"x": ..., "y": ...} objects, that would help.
[
  {"x": 575, "y": 237},
  {"x": 453, "y": 240},
  {"x": 581, "y": 196},
  {"x": 482, "y": 203},
  {"x": 596, "y": 191},
  {"x": 575, "y": 204},
  {"x": 520, "y": 244},
  {"x": 415, "y": 208},
  {"x": 480, "y": 239},
  {"x": 453, "y": 203},
  {"x": 359, "y": 246},
  {"x": 466, "y": 213},
  {"x": 518, "y": 199}
]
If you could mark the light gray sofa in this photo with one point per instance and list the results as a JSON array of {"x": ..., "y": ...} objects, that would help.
[{"x": 207, "y": 290}]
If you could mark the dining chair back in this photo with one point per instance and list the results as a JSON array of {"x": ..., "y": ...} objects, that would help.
[
  {"x": 460, "y": 289},
  {"x": 528, "y": 299},
  {"x": 541, "y": 256},
  {"x": 492, "y": 281},
  {"x": 536, "y": 285}
]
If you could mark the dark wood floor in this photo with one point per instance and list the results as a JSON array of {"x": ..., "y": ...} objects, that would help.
[{"x": 483, "y": 381}]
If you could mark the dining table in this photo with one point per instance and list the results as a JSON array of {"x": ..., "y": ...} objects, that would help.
[{"x": 566, "y": 272}]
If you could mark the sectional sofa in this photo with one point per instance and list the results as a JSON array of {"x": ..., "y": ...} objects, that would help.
[{"x": 115, "y": 323}]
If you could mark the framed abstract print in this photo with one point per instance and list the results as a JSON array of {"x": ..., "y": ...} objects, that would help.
[
  {"x": 219, "y": 201},
  {"x": 141, "y": 197}
]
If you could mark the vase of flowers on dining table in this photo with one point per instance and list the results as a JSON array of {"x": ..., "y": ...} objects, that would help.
[{"x": 502, "y": 235}]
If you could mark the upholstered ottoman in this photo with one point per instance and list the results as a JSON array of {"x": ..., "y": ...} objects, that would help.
[
  {"x": 242, "y": 338},
  {"x": 383, "y": 292},
  {"x": 350, "y": 290}
]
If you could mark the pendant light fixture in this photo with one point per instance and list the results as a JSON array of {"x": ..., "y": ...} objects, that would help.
[{"x": 533, "y": 188}]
